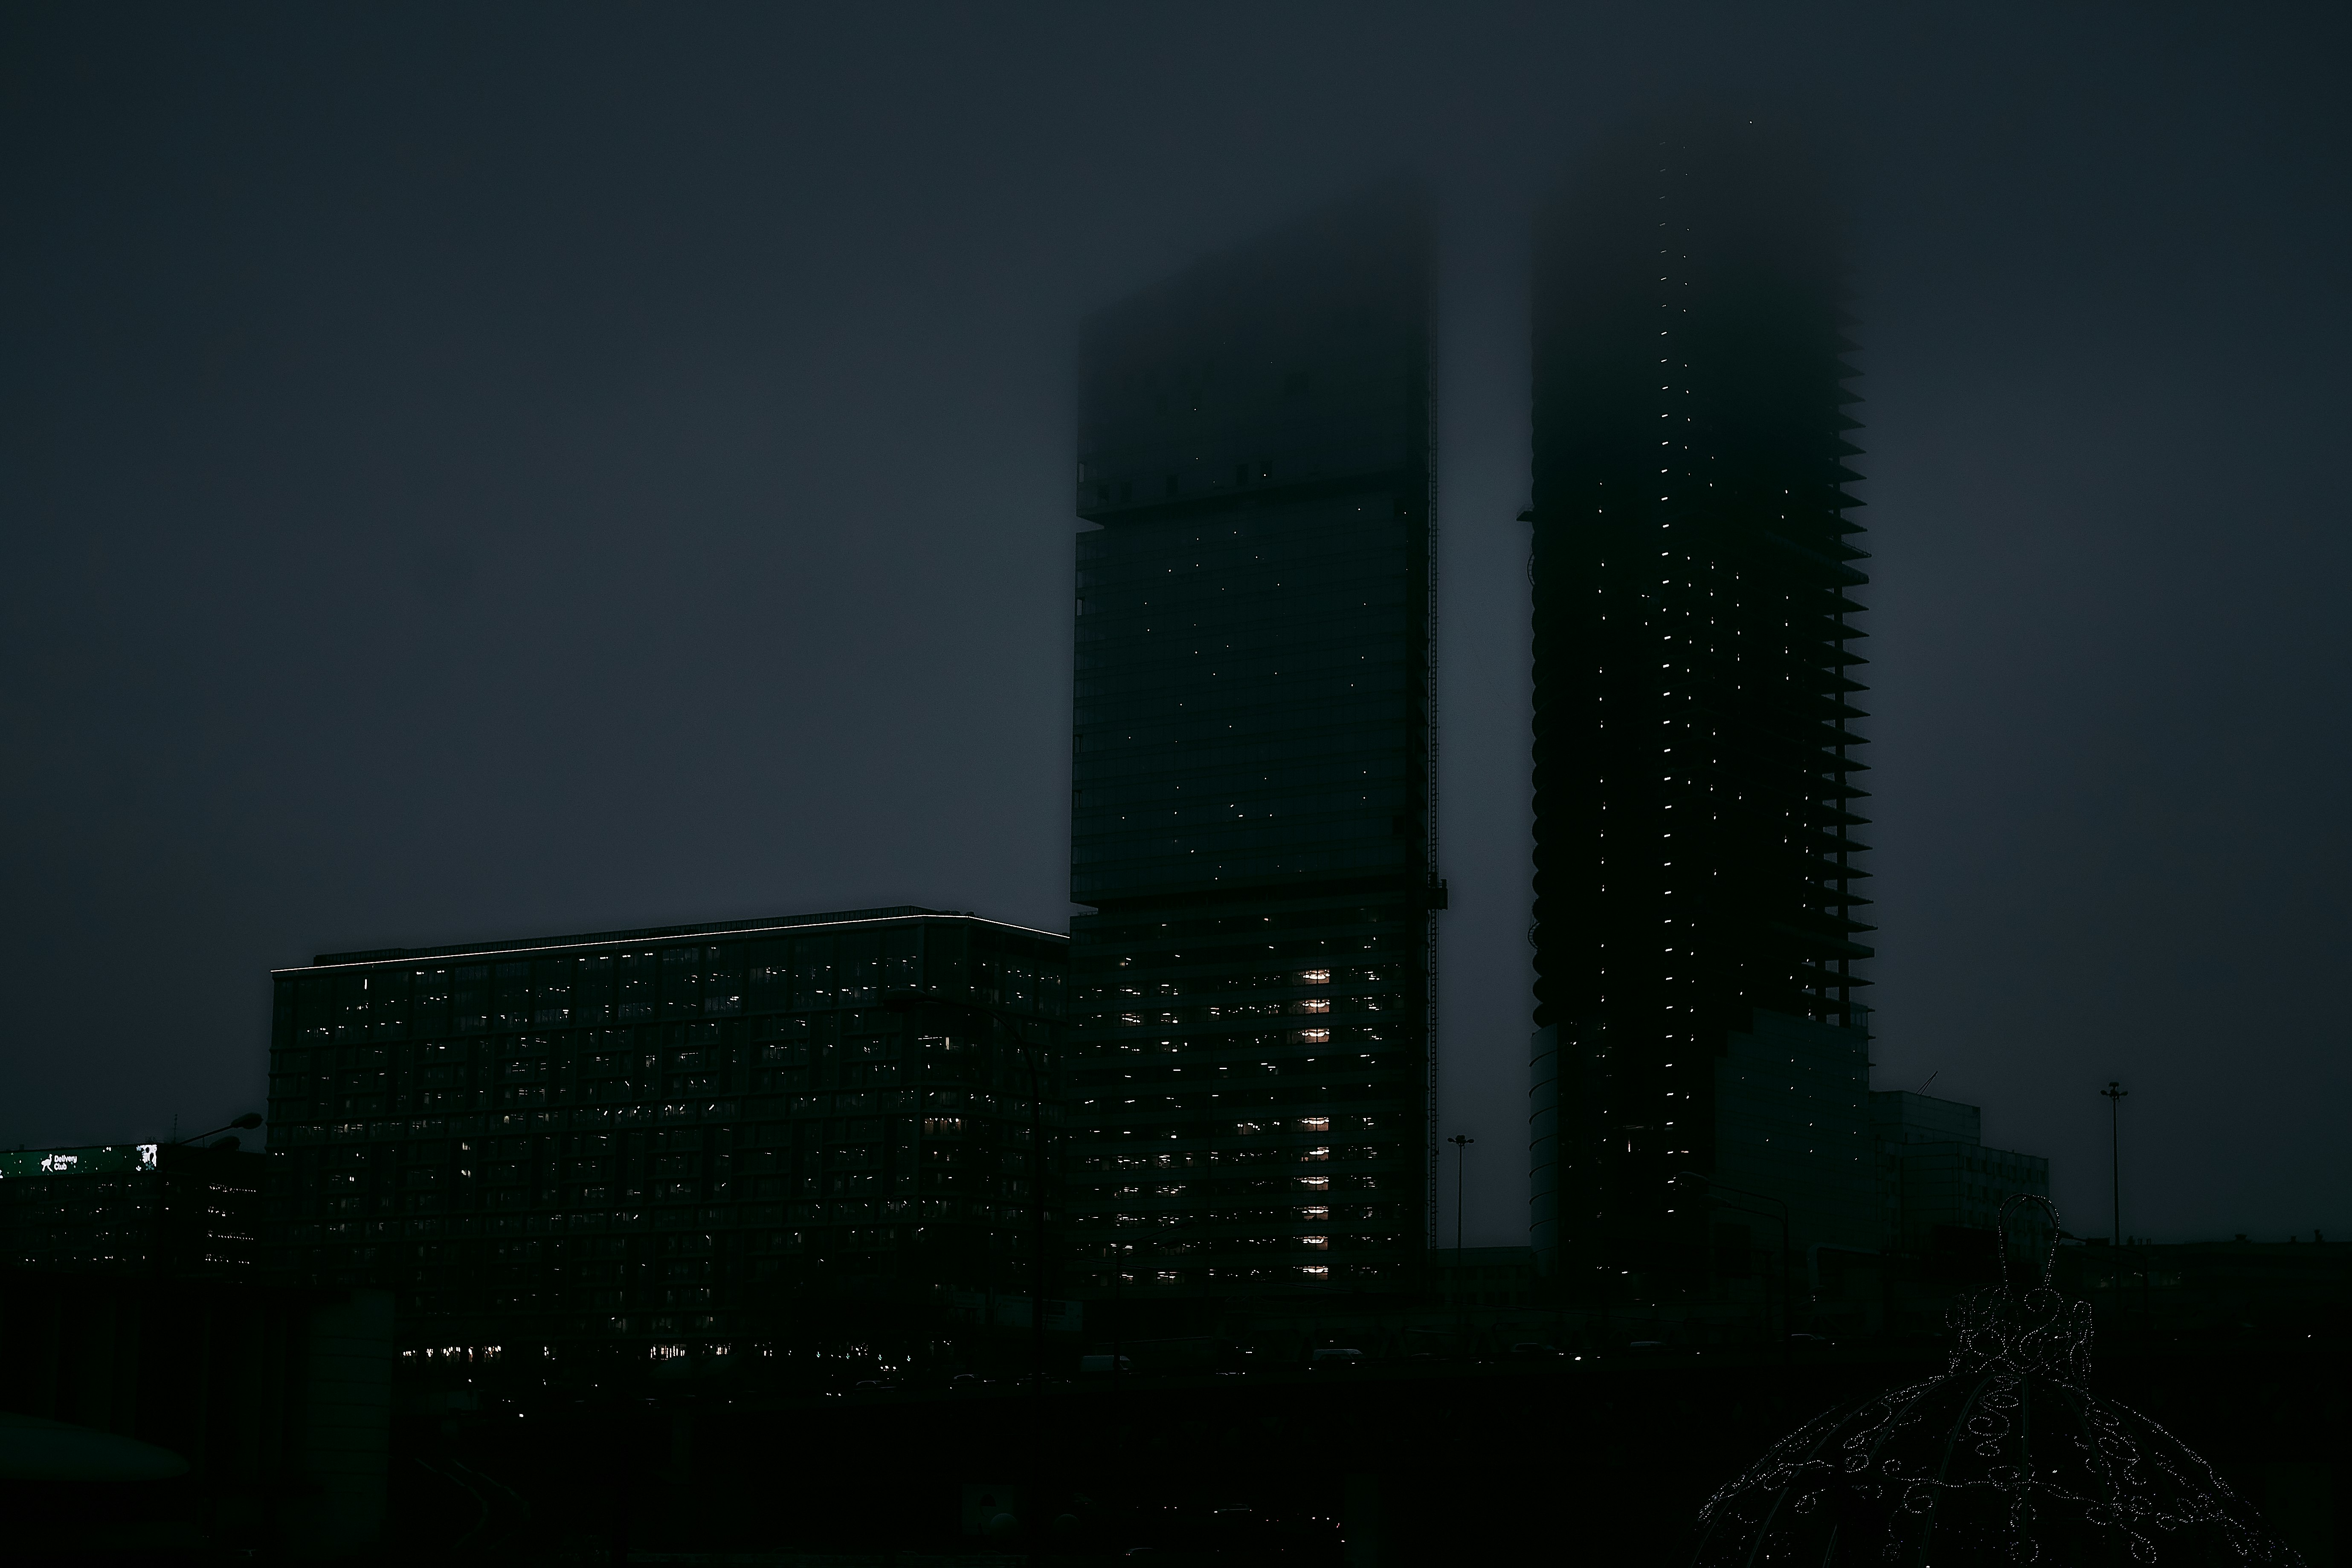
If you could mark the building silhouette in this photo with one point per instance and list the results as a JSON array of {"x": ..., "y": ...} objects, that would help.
[
  {"x": 695, "y": 1135},
  {"x": 1695, "y": 695},
  {"x": 1252, "y": 823}
]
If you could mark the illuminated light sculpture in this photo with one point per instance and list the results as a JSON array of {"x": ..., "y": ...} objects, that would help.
[{"x": 2007, "y": 1457}]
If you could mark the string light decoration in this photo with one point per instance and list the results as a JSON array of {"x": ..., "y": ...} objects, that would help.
[{"x": 2005, "y": 1457}]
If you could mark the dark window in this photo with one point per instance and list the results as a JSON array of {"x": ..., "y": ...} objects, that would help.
[
  {"x": 723, "y": 978},
  {"x": 431, "y": 1006},
  {"x": 592, "y": 990},
  {"x": 772, "y": 977},
  {"x": 551, "y": 993},
  {"x": 639, "y": 972},
  {"x": 681, "y": 982},
  {"x": 513, "y": 995},
  {"x": 388, "y": 1005},
  {"x": 471, "y": 999}
]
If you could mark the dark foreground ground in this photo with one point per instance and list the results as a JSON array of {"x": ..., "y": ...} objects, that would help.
[{"x": 1604, "y": 1459}]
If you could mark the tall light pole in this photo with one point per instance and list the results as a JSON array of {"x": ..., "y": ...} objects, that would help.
[
  {"x": 1461, "y": 1141},
  {"x": 2115, "y": 1094}
]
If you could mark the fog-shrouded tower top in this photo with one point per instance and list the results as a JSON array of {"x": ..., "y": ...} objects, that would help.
[
  {"x": 1695, "y": 694},
  {"x": 1250, "y": 815}
]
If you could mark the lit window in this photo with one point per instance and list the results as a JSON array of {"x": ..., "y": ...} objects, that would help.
[
  {"x": 1316, "y": 1183},
  {"x": 1315, "y": 977},
  {"x": 1316, "y": 1270},
  {"x": 1315, "y": 1123},
  {"x": 1319, "y": 1243},
  {"x": 1320, "y": 1154},
  {"x": 1314, "y": 1004},
  {"x": 1314, "y": 1036},
  {"x": 1316, "y": 1211}
]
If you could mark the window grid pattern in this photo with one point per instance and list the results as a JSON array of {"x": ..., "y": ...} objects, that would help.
[{"x": 656, "y": 1138}]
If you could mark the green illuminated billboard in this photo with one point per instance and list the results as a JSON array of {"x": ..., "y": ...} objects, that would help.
[{"x": 105, "y": 1159}]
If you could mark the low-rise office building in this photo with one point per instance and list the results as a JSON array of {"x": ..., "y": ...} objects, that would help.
[
  {"x": 1936, "y": 1176},
  {"x": 688, "y": 1133},
  {"x": 169, "y": 1209}
]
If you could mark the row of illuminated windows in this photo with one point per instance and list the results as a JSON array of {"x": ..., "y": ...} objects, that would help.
[
  {"x": 415, "y": 1198},
  {"x": 676, "y": 983},
  {"x": 1263, "y": 697},
  {"x": 680, "y": 1149},
  {"x": 1309, "y": 1006},
  {"x": 842, "y": 1102},
  {"x": 1212, "y": 1056},
  {"x": 1142, "y": 1179},
  {"x": 595, "y": 1054}
]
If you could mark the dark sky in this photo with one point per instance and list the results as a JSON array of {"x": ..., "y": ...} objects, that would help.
[{"x": 477, "y": 471}]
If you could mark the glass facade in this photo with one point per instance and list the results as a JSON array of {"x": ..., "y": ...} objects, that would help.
[
  {"x": 1934, "y": 1172},
  {"x": 684, "y": 1133},
  {"x": 1251, "y": 806},
  {"x": 1694, "y": 758}
]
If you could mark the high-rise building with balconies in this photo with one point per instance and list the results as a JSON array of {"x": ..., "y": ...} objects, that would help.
[{"x": 1694, "y": 706}]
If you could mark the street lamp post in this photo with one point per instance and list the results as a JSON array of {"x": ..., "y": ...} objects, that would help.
[
  {"x": 245, "y": 1123},
  {"x": 1692, "y": 1181},
  {"x": 2115, "y": 1094}
]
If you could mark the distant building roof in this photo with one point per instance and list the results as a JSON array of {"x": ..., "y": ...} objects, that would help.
[{"x": 655, "y": 933}]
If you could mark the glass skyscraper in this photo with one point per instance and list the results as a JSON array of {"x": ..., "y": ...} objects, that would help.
[
  {"x": 1252, "y": 818},
  {"x": 1695, "y": 774}
]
